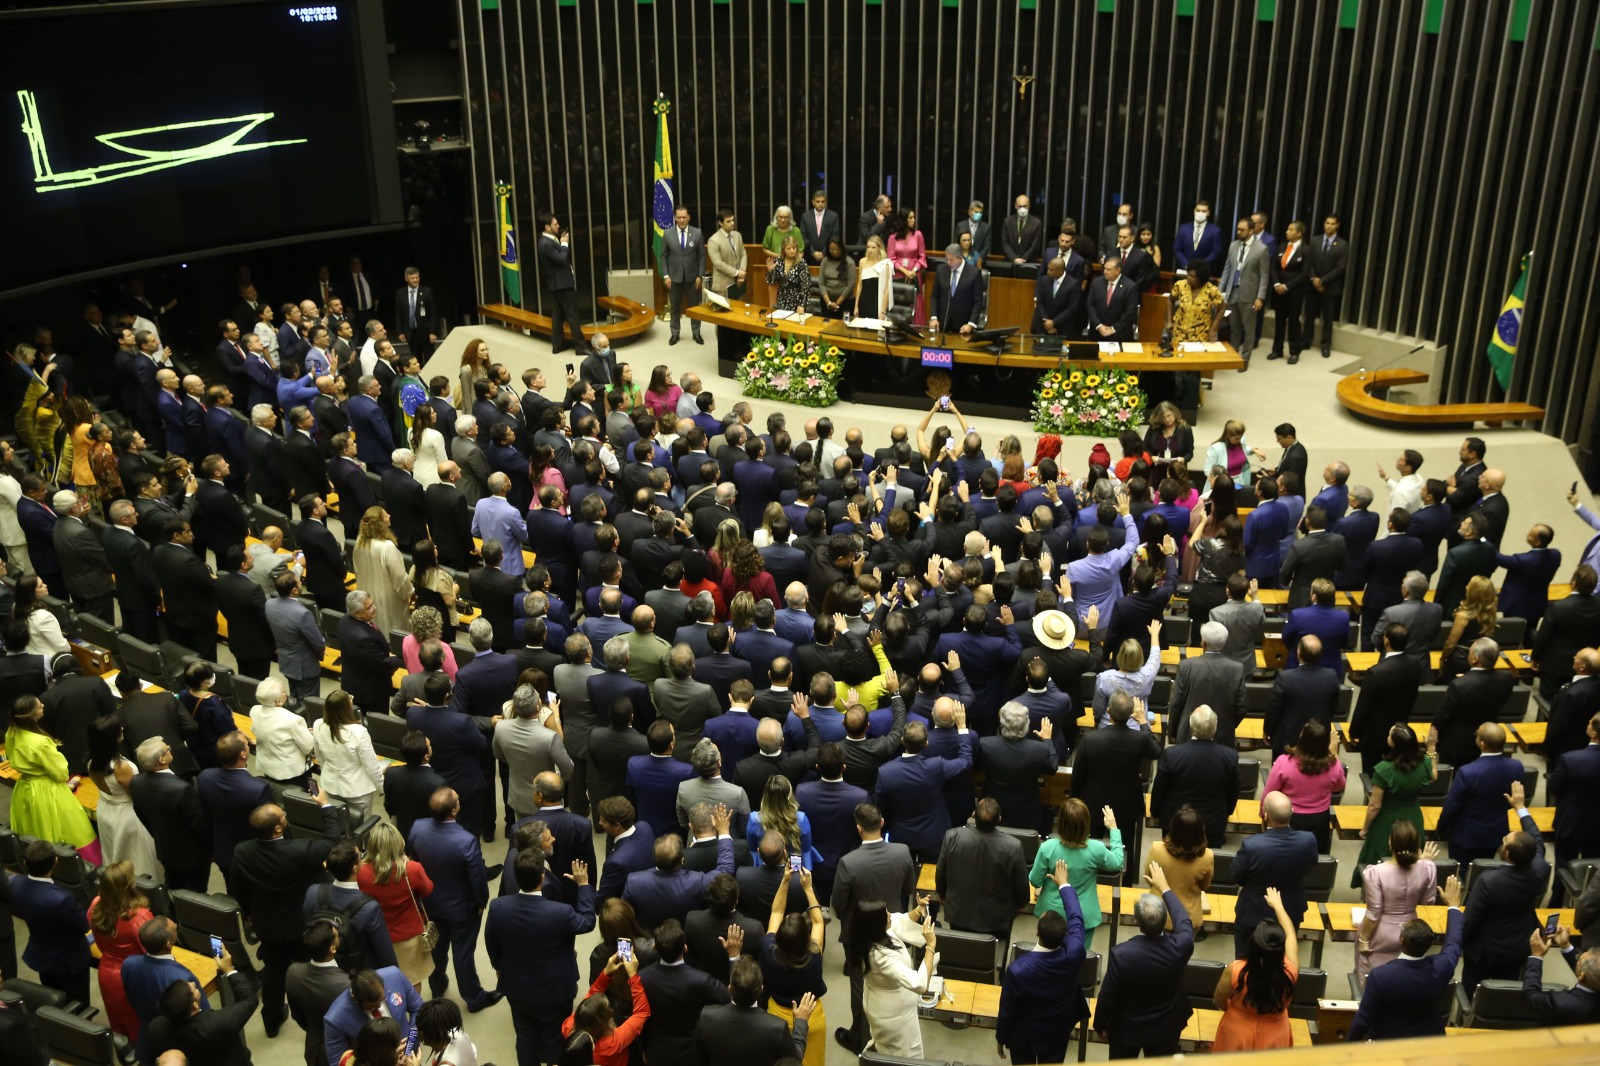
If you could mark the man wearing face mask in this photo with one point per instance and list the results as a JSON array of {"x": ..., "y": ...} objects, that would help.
[
  {"x": 1022, "y": 237},
  {"x": 975, "y": 225},
  {"x": 1200, "y": 239},
  {"x": 1108, "y": 236},
  {"x": 599, "y": 366}
]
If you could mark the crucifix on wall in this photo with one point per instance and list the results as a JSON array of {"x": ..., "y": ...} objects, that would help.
[{"x": 1023, "y": 80}]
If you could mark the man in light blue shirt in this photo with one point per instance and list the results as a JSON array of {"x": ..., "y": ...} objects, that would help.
[
  {"x": 495, "y": 519},
  {"x": 1096, "y": 579}
]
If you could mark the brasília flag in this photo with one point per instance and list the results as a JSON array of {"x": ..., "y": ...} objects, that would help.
[
  {"x": 662, "y": 205},
  {"x": 510, "y": 266},
  {"x": 1502, "y": 351}
]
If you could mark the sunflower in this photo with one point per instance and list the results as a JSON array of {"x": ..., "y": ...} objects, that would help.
[
  {"x": 812, "y": 360},
  {"x": 1085, "y": 394},
  {"x": 752, "y": 357},
  {"x": 788, "y": 360},
  {"x": 1122, "y": 387},
  {"x": 827, "y": 368},
  {"x": 1047, "y": 394},
  {"x": 833, "y": 349},
  {"x": 1077, "y": 376},
  {"x": 1093, "y": 380},
  {"x": 1133, "y": 379}
]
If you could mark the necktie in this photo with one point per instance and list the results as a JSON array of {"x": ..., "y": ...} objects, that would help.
[
  {"x": 819, "y": 223},
  {"x": 1198, "y": 230},
  {"x": 376, "y": 1013},
  {"x": 1109, "y": 290},
  {"x": 683, "y": 240},
  {"x": 324, "y": 293},
  {"x": 1288, "y": 250},
  {"x": 362, "y": 298},
  {"x": 955, "y": 279},
  {"x": 1056, "y": 288},
  {"x": 1327, "y": 242},
  {"x": 731, "y": 243},
  {"x": 413, "y": 306}
]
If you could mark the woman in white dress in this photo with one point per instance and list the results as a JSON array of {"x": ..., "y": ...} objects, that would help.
[
  {"x": 351, "y": 772},
  {"x": 892, "y": 987},
  {"x": 873, "y": 282},
  {"x": 427, "y": 444},
  {"x": 264, "y": 329},
  {"x": 381, "y": 572},
  {"x": 122, "y": 835},
  {"x": 283, "y": 740},
  {"x": 44, "y": 628}
]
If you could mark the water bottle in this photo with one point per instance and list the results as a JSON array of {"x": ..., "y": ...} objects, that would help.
[{"x": 1362, "y": 373}]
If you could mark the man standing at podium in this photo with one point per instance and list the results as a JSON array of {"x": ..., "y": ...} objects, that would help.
[
  {"x": 1113, "y": 305},
  {"x": 955, "y": 293},
  {"x": 1055, "y": 299}
]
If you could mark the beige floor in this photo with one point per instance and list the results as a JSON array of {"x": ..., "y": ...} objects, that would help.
[{"x": 1539, "y": 470}]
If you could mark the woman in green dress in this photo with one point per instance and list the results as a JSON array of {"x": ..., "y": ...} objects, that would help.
[
  {"x": 1396, "y": 784},
  {"x": 1085, "y": 860},
  {"x": 42, "y": 805}
]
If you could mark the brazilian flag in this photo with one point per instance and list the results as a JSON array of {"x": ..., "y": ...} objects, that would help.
[
  {"x": 661, "y": 206},
  {"x": 1502, "y": 351},
  {"x": 510, "y": 265}
]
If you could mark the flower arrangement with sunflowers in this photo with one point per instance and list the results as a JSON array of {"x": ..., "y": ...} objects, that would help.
[
  {"x": 796, "y": 369},
  {"x": 1099, "y": 401}
]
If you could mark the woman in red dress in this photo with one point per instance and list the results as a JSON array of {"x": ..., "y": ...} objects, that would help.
[
  {"x": 115, "y": 916},
  {"x": 746, "y": 571}
]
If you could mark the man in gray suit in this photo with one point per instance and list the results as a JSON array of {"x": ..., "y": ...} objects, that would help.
[
  {"x": 981, "y": 877},
  {"x": 709, "y": 787},
  {"x": 83, "y": 559},
  {"x": 875, "y": 870},
  {"x": 526, "y": 747},
  {"x": 1420, "y": 617},
  {"x": 1245, "y": 619},
  {"x": 579, "y": 717},
  {"x": 1244, "y": 287},
  {"x": 474, "y": 465},
  {"x": 683, "y": 261},
  {"x": 299, "y": 639},
  {"x": 683, "y": 701},
  {"x": 1210, "y": 679},
  {"x": 1317, "y": 554}
]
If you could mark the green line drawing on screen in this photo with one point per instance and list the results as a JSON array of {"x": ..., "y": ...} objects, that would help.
[{"x": 146, "y": 160}]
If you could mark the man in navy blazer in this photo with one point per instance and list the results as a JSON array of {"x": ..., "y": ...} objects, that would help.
[
  {"x": 734, "y": 730},
  {"x": 1041, "y": 1001},
  {"x": 1330, "y": 624},
  {"x": 1503, "y": 899},
  {"x": 450, "y": 854},
  {"x": 957, "y": 294},
  {"x": 374, "y": 439},
  {"x": 830, "y": 805},
  {"x": 367, "y": 933},
  {"x": 1055, "y": 299},
  {"x": 530, "y": 939},
  {"x": 230, "y": 792},
  {"x": 457, "y": 745},
  {"x": 1264, "y": 530},
  {"x": 986, "y": 658},
  {"x": 653, "y": 779},
  {"x": 910, "y": 789},
  {"x": 1473, "y": 818},
  {"x": 1574, "y": 788},
  {"x": 786, "y": 563},
  {"x": 1578, "y": 1005},
  {"x": 1142, "y": 1004},
  {"x": 668, "y": 890},
  {"x": 1383, "y": 571},
  {"x": 677, "y": 994},
  {"x": 58, "y": 928},
  {"x": 631, "y": 844},
  {"x": 386, "y": 988},
  {"x": 1525, "y": 590},
  {"x": 572, "y": 835},
  {"x": 1432, "y": 522},
  {"x": 1278, "y": 857},
  {"x": 146, "y": 976},
  {"x": 1309, "y": 691},
  {"x": 1401, "y": 997},
  {"x": 614, "y": 684},
  {"x": 1198, "y": 240},
  {"x": 1359, "y": 528}
]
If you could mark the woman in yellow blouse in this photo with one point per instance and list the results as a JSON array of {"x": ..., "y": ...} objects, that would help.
[{"x": 1195, "y": 309}]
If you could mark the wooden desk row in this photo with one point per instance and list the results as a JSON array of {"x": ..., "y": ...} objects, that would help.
[
  {"x": 1349, "y": 818},
  {"x": 1342, "y": 924},
  {"x": 1524, "y": 735}
]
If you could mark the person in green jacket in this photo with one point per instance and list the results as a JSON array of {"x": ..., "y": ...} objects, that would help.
[{"x": 1085, "y": 860}]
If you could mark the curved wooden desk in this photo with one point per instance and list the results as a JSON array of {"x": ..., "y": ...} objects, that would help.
[
  {"x": 1355, "y": 393},
  {"x": 636, "y": 318}
]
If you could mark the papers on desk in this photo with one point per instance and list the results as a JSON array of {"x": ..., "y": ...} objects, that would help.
[
  {"x": 717, "y": 300},
  {"x": 789, "y": 316},
  {"x": 1202, "y": 346},
  {"x": 862, "y": 323},
  {"x": 1109, "y": 347},
  {"x": 1133, "y": 348}
]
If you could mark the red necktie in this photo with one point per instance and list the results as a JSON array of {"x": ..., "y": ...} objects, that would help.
[
  {"x": 376, "y": 1013},
  {"x": 1109, "y": 290}
]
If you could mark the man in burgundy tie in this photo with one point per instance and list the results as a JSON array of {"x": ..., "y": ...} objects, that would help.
[{"x": 1113, "y": 305}]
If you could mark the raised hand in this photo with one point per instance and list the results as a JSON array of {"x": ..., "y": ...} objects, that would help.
[
  {"x": 1110, "y": 817},
  {"x": 1157, "y": 878},
  {"x": 1061, "y": 875},
  {"x": 1092, "y": 619},
  {"x": 733, "y": 943},
  {"x": 1452, "y": 891},
  {"x": 580, "y": 873},
  {"x": 1516, "y": 798},
  {"x": 952, "y": 662}
]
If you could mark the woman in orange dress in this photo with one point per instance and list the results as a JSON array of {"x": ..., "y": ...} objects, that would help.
[
  {"x": 115, "y": 916},
  {"x": 1254, "y": 992}
]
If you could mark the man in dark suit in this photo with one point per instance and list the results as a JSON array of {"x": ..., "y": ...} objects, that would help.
[
  {"x": 58, "y": 946},
  {"x": 1209, "y": 679},
  {"x": 1359, "y": 528},
  {"x": 156, "y": 714},
  {"x": 1322, "y": 619},
  {"x": 677, "y": 995},
  {"x": 170, "y": 809},
  {"x": 367, "y": 944},
  {"x": 1138, "y": 266},
  {"x": 1503, "y": 898},
  {"x": 449, "y": 520},
  {"x": 1107, "y": 770},
  {"x": 312, "y": 987},
  {"x": 1278, "y": 857},
  {"x": 369, "y": 993},
  {"x": 1475, "y": 697},
  {"x": 741, "y": 1031},
  {"x": 1329, "y": 257},
  {"x": 819, "y": 226},
  {"x": 765, "y": 876},
  {"x": 416, "y": 317},
  {"x": 1113, "y": 305},
  {"x": 1574, "y": 705},
  {"x": 325, "y": 569},
  {"x": 1401, "y": 997},
  {"x": 307, "y": 472},
  {"x": 1015, "y": 763},
  {"x": 367, "y": 666},
  {"x": 1320, "y": 553},
  {"x": 458, "y": 746},
  {"x": 187, "y": 590},
  {"x": 211, "y": 1036},
  {"x": 349, "y": 480},
  {"x": 493, "y": 589},
  {"x": 1291, "y": 282},
  {"x": 406, "y": 501},
  {"x": 138, "y": 591},
  {"x": 910, "y": 790},
  {"x": 1431, "y": 523},
  {"x": 1574, "y": 788},
  {"x": 1150, "y": 966},
  {"x": 974, "y": 224},
  {"x": 1200, "y": 240},
  {"x": 374, "y": 439},
  {"x": 1056, "y": 300},
  {"x": 706, "y": 929},
  {"x": 668, "y": 890},
  {"x": 1382, "y": 571},
  {"x": 682, "y": 263},
  {"x": 1309, "y": 691},
  {"x": 71, "y": 704},
  {"x": 38, "y": 522},
  {"x": 450, "y": 854},
  {"x": 1041, "y": 1001},
  {"x": 631, "y": 844},
  {"x": 610, "y": 748},
  {"x": 270, "y": 876},
  {"x": 957, "y": 294},
  {"x": 829, "y": 803},
  {"x": 243, "y": 604},
  {"x": 229, "y": 793},
  {"x": 1201, "y": 773},
  {"x": 84, "y": 564},
  {"x": 147, "y": 974},
  {"x": 1473, "y": 816},
  {"x": 1464, "y": 490},
  {"x": 1388, "y": 693},
  {"x": 981, "y": 876},
  {"x": 219, "y": 514},
  {"x": 270, "y": 478},
  {"x": 876, "y": 220},
  {"x": 1569, "y": 625},
  {"x": 410, "y": 784},
  {"x": 1021, "y": 236},
  {"x": 1578, "y": 1005},
  {"x": 1474, "y": 556},
  {"x": 530, "y": 941},
  {"x": 1525, "y": 590},
  {"x": 653, "y": 779},
  {"x": 875, "y": 870}
]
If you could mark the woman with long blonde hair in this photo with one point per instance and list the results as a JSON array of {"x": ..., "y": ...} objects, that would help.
[
  {"x": 380, "y": 571},
  {"x": 115, "y": 916},
  {"x": 780, "y": 813},
  {"x": 873, "y": 281},
  {"x": 401, "y": 886},
  {"x": 1474, "y": 617}
]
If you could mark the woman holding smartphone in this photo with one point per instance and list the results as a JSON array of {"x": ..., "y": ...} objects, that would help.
[{"x": 791, "y": 962}]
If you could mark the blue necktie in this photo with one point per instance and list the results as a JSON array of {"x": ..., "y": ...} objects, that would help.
[{"x": 955, "y": 276}]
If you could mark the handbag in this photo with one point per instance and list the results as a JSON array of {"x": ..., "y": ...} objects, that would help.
[{"x": 430, "y": 932}]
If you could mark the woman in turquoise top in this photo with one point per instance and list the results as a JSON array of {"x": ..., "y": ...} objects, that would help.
[{"x": 1085, "y": 860}]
